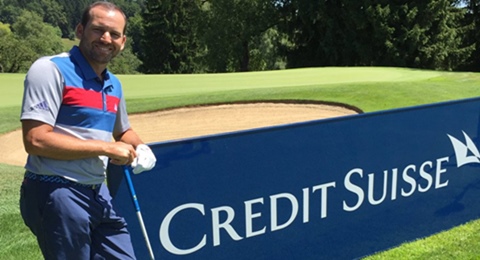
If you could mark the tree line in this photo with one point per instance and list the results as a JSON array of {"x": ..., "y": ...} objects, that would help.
[{"x": 209, "y": 36}]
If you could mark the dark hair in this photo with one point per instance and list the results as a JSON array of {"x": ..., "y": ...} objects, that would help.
[{"x": 110, "y": 6}]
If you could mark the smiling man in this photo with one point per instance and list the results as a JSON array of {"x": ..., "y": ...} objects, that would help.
[
  {"x": 72, "y": 107},
  {"x": 102, "y": 35}
]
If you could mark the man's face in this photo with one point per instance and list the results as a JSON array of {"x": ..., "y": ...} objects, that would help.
[{"x": 102, "y": 38}]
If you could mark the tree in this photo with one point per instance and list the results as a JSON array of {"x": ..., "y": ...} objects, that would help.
[
  {"x": 265, "y": 51},
  {"x": 326, "y": 32},
  {"x": 472, "y": 33},
  {"x": 135, "y": 33},
  {"x": 30, "y": 39},
  {"x": 73, "y": 11},
  {"x": 51, "y": 11},
  {"x": 170, "y": 43},
  {"x": 420, "y": 34},
  {"x": 9, "y": 11},
  {"x": 426, "y": 35},
  {"x": 14, "y": 56},
  {"x": 42, "y": 38},
  {"x": 126, "y": 62},
  {"x": 445, "y": 48},
  {"x": 5, "y": 29},
  {"x": 35, "y": 26},
  {"x": 131, "y": 7},
  {"x": 233, "y": 30},
  {"x": 54, "y": 14}
]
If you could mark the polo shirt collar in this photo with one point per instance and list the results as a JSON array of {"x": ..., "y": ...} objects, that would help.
[{"x": 84, "y": 66}]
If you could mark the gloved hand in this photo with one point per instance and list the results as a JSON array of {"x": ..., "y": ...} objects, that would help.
[{"x": 145, "y": 159}]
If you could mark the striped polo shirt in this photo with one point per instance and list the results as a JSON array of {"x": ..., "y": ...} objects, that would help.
[{"x": 64, "y": 92}]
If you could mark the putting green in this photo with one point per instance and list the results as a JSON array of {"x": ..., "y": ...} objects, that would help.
[{"x": 143, "y": 86}]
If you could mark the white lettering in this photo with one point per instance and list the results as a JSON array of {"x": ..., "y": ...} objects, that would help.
[
  {"x": 216, "y": 225},
  {"x": 274, "y": 211},
  {"x": 425, "y": 176},
  {"x": 394, "y": 183},
  {"x": 249, "y": 216},
  {"x": 164, "y": 230},
  {"x": 355, "y": 189},
  {"x": 306, "y": 205},
  {"x": 412, "y": 177},
  {"x": 407, "y": 178},
  {"x": 440, "y": 171},
  {"x": 323, "y": 188},
  {"x": 371, "y": 188}
]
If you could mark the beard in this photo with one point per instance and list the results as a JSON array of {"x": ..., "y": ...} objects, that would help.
[{"x": 94, "y": 53}]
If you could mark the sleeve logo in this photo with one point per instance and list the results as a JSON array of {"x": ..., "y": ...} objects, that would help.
[{"x": 40, "y": 106}]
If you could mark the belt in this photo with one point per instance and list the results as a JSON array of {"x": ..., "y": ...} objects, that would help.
[{"x": 58, "y": 179}]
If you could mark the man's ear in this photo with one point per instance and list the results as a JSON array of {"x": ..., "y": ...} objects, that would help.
[
  {"x": 123, "y": 42},
  {"x": 79, "y": 31}
]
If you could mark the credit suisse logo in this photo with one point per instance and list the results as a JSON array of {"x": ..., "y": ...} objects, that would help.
[
  {"x": 358, "y": 183},
  {"x": 465, "y": 153}
]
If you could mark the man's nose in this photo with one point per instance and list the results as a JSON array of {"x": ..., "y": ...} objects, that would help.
[{"x": 106, "y": 37}]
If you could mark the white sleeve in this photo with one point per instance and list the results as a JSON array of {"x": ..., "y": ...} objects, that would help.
[{"x": 43, "y": 92}]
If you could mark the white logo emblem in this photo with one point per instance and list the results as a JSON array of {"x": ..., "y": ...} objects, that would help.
[{"x": 465, "y": 153}]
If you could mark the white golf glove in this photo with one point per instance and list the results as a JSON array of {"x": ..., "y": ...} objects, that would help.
[{"x": 145, "y": 159}]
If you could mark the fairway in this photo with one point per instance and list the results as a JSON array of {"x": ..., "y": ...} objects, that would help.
[{"x": 147, "y": 86}]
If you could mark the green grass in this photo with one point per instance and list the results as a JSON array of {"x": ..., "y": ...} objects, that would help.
[
  {"x": 370, "y": 89},
  {"x": 16, "y": 239},
  {"x": 161, "y": 86},
  {"x": 173, "y": 85},
  {"x": 457, "y": 243},
  {"x": 68, "y": 44}
]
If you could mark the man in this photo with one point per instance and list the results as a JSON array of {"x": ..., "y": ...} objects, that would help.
[{"x": 72, "y": 107}]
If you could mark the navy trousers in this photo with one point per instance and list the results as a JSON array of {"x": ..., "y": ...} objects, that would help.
[{"x": 73, "y": 221}]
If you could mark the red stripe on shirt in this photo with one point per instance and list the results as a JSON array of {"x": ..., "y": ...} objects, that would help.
[
  {"x": 80, "y": 97},
  {"x": 112, "y": 104}
]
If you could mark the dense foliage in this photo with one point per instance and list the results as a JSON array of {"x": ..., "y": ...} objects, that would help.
[
  {"x": 174, "y": 48},
  {"x": 196, "y": 36}
]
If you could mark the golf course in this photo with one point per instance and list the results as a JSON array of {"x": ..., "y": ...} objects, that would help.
[{"x": 343, "y": 90}]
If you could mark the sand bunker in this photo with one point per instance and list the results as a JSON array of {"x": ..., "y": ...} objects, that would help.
[{"x": 199, "y": 121}]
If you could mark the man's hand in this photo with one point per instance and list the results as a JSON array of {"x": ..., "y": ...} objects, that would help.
[
  {"x": 145, "y": 159},
  {"x": 121, "y": 153}
]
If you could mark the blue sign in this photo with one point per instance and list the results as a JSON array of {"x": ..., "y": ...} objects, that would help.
[{"x": 337, "y": 188}]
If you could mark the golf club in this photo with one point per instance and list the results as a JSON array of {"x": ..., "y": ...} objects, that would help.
[{"x": 126, "y": 170}]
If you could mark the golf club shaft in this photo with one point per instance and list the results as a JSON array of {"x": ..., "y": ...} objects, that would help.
[{"x": 137, "y": 208}]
